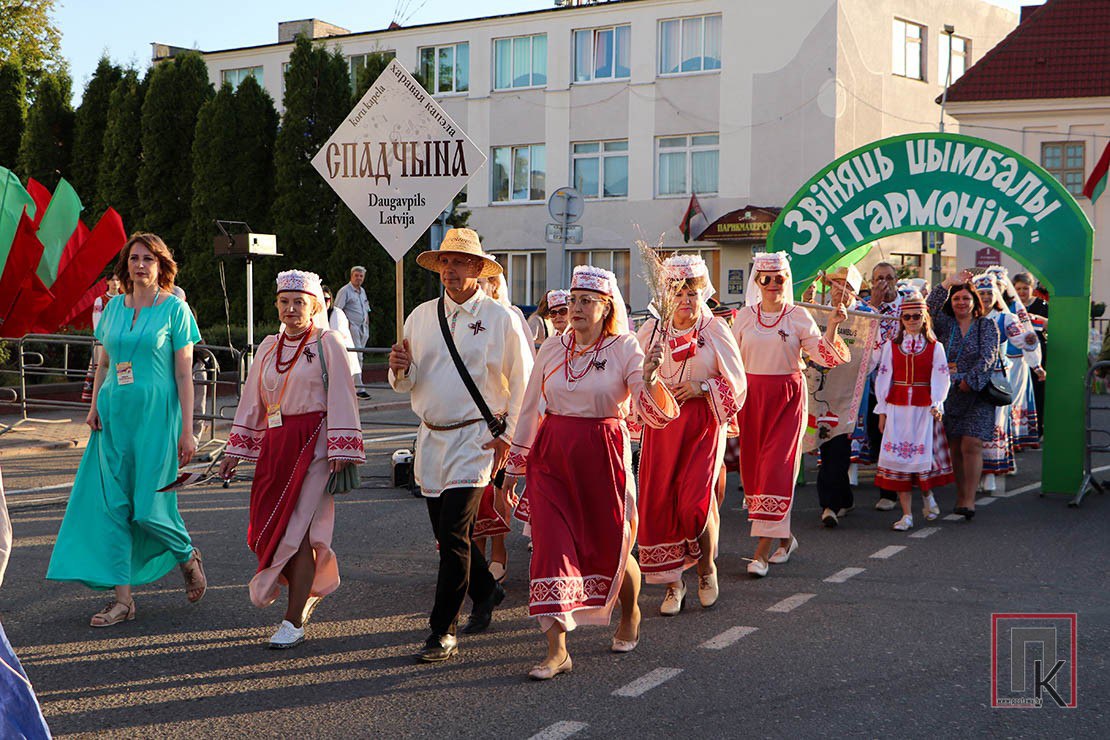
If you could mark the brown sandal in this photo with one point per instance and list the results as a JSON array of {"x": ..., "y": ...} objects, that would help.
[
  {"x": 114, "y": 613},
  {"x": 195, "y": 580}
]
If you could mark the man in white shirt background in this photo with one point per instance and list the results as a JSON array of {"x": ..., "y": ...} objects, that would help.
[{"x": 352, "y": 301}]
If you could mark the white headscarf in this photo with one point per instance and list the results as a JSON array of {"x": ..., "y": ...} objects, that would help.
[
  {"x": 299, "y": 281},
  {"x": 588, "y": 277},
  {"x": 769, "y": 262}
]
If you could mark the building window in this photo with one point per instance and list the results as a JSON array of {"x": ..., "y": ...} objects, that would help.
[
  {"x": 907, "y": 49},
  {"x": 618, "y": 261},
  {"x": 518, "y": 173},
  {"x": 690, "y": 44},
  {"x": 520, "y": 62},
  {"x": 599, "y": 169},
  {"x": 1064, "y": 160},
  {"x": 525, "y": 274},
  {"x": 357, "y": 62},
  {"x": 234, "y": 77},
  {"x": 961, "y": 57},
  {"x": 446, "y": 69},
  {"x": 603, "y": 54},
  {"x": 686, "y": 164}
]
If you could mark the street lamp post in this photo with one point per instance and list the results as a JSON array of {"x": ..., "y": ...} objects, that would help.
[{"x": 935, "y": 271}]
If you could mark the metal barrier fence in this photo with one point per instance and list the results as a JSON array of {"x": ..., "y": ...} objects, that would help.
[
  {"x": 1092, "y": 446},
  {"x": 209, "y": 378}
]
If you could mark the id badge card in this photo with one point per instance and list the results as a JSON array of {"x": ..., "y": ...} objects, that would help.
[
  {"x": 125, "y": 375},
  {"x": 273, "y": 415}
]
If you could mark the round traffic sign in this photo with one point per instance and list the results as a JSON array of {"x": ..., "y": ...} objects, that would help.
[{"x": 566, "y": 205}]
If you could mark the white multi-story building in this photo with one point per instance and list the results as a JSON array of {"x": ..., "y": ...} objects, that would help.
[{"x": 640, "y": 103}]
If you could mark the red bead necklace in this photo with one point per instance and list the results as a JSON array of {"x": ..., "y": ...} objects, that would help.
[
  {"x": 772, "y": 325},
  {"x": 572, "y": 354},
  {"x": 284, "y": 367}
]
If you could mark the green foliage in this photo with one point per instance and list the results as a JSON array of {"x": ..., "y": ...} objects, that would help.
[
  {"x": 233, "y": 179},
  {"x": 27, "y": 33},
  {"x": 88, "y": 135},
  {"x": 317, "y": 98},
  {"x": 176, "y": 92},
  {"x": 13, "y": 110},
  {"x": 47, "y": 140},
  {"x": 116, "y": 183}
]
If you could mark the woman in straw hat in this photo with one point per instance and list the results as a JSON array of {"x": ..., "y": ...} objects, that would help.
[
  {"x": 680, "y": 463},
  {"x": 772, "y": 334},
  {"x": 298, "y": 420},
  {"x": 573, "y": 445},
  {"x": 911, "y": 384},
  {"x": 458, "y": 449}
]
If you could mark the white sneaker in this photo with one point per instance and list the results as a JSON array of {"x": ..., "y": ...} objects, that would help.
[
  {"x": 758, "y": 568},
  {"x": 309, "y": 608},
  {"x": 673, "y": 599},
  {"x": 904, "y": 524},
  {"x": 841, "y": 513},
  {"x": 783, "y": 554},
  {"x": 287, "y": 636},
  {"x": 828, "y": 518},
  {"x": 884, "y": 504},
  {"x": 989, "y": 483},
  {"x": 708, "y": 591},
  {"x": 929, "y": 509},
  {"x": 853, "y": 474}
]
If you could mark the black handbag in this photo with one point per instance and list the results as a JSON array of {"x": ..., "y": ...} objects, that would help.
[
  {"x": 997, "y": 391},
  {"x": 496, "y": 424}
]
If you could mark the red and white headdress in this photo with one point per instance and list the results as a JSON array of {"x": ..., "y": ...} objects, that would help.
[
  {"x": 913, "y": 302},
  {"x": 769, "y": 262},
  {"x": 557, "y": 298},
  {"x": 598, "y": 280},
  {"x": 690, "y": 266},
  {"x": 300, "y": 281}
]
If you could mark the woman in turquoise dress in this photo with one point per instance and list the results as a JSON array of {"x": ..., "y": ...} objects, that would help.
[{"x": 119, "y": 530}]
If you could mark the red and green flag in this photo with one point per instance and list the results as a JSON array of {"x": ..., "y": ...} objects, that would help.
[
  {"x": 1097, "y": 182},
  {"x": 693, "y": 209}
]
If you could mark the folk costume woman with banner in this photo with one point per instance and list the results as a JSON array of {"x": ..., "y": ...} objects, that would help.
[
  {"x": 998, "y": 452},
  {"x": 970, "y": 342},
  {"x": 911, "y": 384},
  {"x": 298, "y": 421},
  {"x": 681, "y": 462},
  {"x": 772, "y": 334},
  {"x": 120, "y": 529},
  {"x": 572, "y": 443}
]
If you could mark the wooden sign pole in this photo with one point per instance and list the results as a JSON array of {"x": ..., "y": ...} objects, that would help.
[{"x": 400, "y": 300}]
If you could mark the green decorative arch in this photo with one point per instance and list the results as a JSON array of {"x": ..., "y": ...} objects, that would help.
[{"x": 976, "y": 188}]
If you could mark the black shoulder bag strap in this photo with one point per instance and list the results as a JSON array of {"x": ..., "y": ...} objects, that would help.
[{"x": 496, "y": 424}]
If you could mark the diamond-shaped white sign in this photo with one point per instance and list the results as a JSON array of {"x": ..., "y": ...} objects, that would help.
[{"x": 398, "y": 160}]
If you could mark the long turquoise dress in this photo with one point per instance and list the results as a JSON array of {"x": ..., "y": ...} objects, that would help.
[{"x": 118, "y": 530}]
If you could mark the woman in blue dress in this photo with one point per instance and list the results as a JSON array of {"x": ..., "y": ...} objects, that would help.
[{"x": 119, "y": 530}]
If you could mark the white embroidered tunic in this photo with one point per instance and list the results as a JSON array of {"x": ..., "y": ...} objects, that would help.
[
  {"x": 908, "y": 437},
  {"x": 773, "y": 344}
]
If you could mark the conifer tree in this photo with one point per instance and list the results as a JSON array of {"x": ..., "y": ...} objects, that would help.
[
  {"x": 88, "y": 135},
  {"x": 177, "y": 90},
  {"x": 47, "y": 141},
  {"x": 13, "y": 110},
  {"x": 116, "y": 183}
]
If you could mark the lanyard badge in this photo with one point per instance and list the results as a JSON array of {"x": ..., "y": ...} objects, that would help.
[{"x": 125, "y": 375}]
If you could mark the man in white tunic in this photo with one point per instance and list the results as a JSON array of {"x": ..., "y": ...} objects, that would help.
[
  {"x": 457, "y": 452},
  {"x": 352, "y": 301}
]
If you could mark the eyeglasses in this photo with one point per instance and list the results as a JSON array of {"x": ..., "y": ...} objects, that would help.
[
  {"x": 766, "y": 279},
  {"x": 558, "y": 312},
  {"x": 584, "y": 301},
  {"x": 912, "y": 316}
]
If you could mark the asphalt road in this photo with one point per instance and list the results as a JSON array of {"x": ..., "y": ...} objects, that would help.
[{"x": 901, "y": 647}]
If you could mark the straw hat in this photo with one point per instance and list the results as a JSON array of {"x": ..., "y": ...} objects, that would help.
[
  {"x": 848, "y": 273},
  {"x": 460, "y": 241}
]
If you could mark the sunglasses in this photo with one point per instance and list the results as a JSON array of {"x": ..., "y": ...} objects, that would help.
[
  {"x": 558, "y": 312},
  {"x": 912, "y": 316},
  {"x": 766, "y": 279}
]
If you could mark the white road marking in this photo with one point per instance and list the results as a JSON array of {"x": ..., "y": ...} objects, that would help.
[
  {"x": 42, "y": 489},
  {"x": 728, "y": 637},
  {"x": 888, "y": 551},
  {"x": 986, "y": 501},
  {"x": 923, "y": 533},
  {"x": 843, "y": 575},
  {"x": 391, "y": 438},
  {"x": 647, "y": 682},
  {"x": 559, "y": 730},
  {"x": 790, "y": 603},
  {"x": 953, "y": 517}
]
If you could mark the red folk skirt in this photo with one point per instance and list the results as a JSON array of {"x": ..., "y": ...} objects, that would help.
[
  {"x": 489, "y": 523},
  {"x": 582, "y": 504},
  {"x": 679, "y": 465},
  {"x": 283, "y": 463},
  {"x": 771, "y": 424}
]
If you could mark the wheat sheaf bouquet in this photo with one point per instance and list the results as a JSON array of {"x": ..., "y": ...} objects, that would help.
[{"x": 659, "y": 280}]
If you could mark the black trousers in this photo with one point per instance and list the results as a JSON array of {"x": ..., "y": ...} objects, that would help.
[
  {"x": 462, "y": 566},
  {"x": 833, "y": 489},
  {"x": 875, "y": 438}
]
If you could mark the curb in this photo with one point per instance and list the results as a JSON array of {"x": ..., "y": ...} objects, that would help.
[{"x": 37, "y": 449}]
